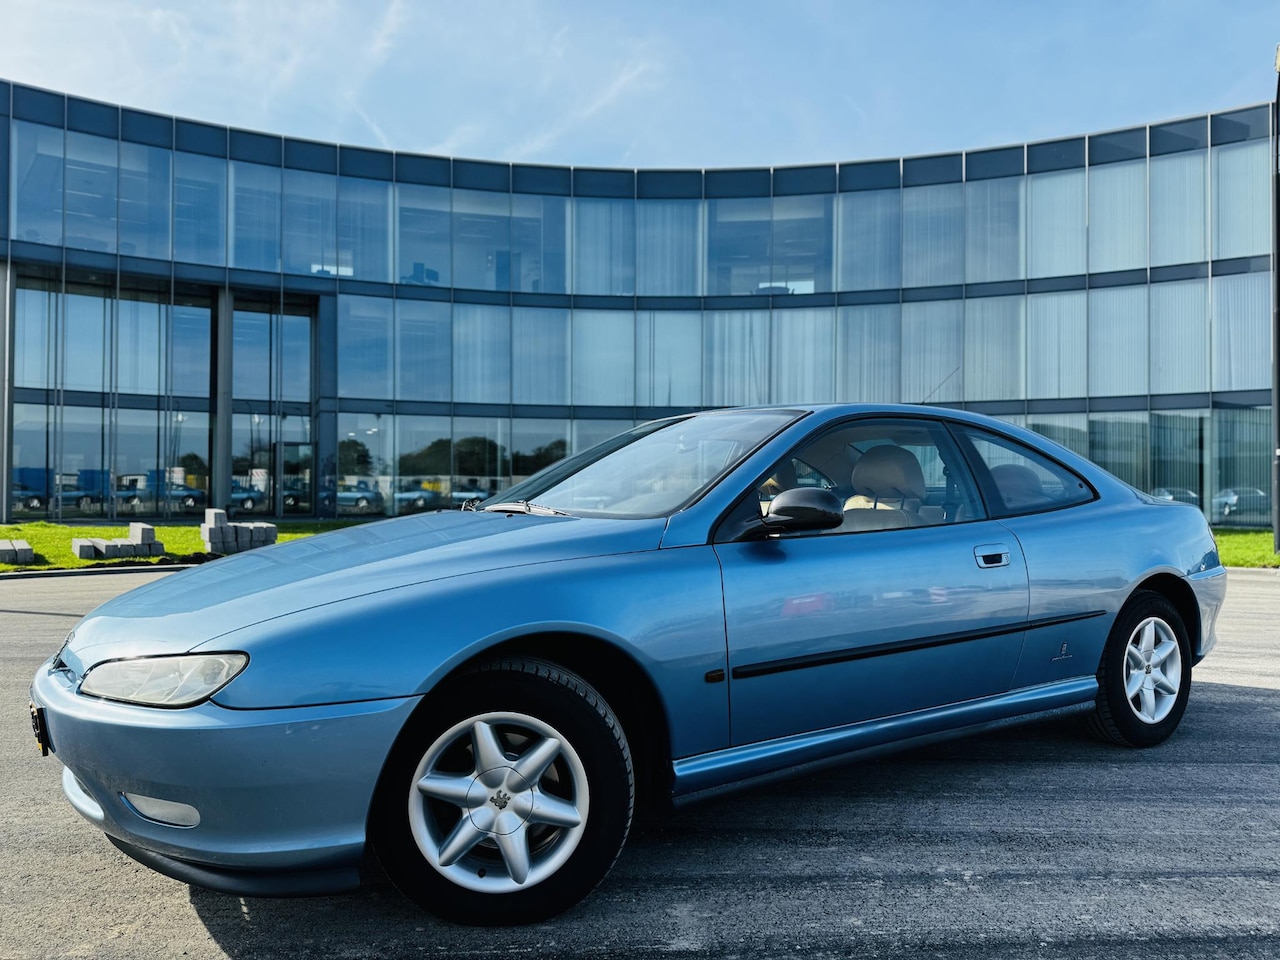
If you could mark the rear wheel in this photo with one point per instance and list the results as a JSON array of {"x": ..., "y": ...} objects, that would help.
[
  {"x": 1144, "y": 679},
  {"x": 507, "y": 797}
]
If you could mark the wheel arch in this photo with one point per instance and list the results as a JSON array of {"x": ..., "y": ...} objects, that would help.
[{"x": 1179, "y": 593}]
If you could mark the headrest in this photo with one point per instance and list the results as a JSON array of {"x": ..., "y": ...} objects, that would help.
[
  {"x": 1017, "y": 483},
  {"x": 889, "y": 473}
]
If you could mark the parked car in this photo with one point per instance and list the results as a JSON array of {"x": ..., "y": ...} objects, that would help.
[
  {"x": 414, "y": 498},
  {"x": 26, "y": 497},
  {"x": 182, "y": 495},
  {"x": 1242, "y": 505},
  {"x": 486, "y": 697},
  {"x": 245, "y": 497}
]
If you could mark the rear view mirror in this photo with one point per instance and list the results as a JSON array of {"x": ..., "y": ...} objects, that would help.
[{"x": 803, "y": 508}]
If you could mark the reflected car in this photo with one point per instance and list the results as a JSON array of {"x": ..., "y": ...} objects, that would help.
[
  {"x": 485, "y": 699},
  {"x": 246, "y": 498},
  {"x": 413, "y": 498},
  {"x": 1242, "y": 505},
  {"x": 182, "y": 495},
  {"x": 26, "y": 497}
]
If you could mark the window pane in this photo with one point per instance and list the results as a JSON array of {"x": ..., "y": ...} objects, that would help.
[
  {"x": 255, "y": 192},
  {"x": 145, "y": 200},
  {"x": 1118, "y": 442},
  {"x": 1241, "y": 330},
  {"x": 735, "y": 358},
  {"x": 481, "y": 354},
  {"x": 364, "y": 229},
  {"x": 364, "y": 347},
  {"x": 92, "y": 165},
  {"x": 933, "y": 352},
  {"x": 252, "y": 463},
  {"x": 539, "y": 244},
  {"x": 1025, "y": 481},
  {"x": 604, "y": 247},
  {"x": 295, "y": 358},
  {"x": 187, "y": 480},
  {"x": 36, "y": 202},
  {"x": 604, "y": 365},
  {"x": 868, "y": 353},
  {"x": 364, "y": 466},
  {"x": 739, "y": 255},
  {"x": 83, "y": 480},
  {"x": 1241, "y": 195},
  {"x": 140, "y": 351},
  {"x": 1117, "y": 341},
  {"x": 587, "y": 433},
  {"x": 310, "y": 215},
  {"x": 424, "y": 463},
  {"x": 539, "y": 356},
  {"x": 993, "y": 348},
  {"x": 803, "y": 356},
  {"x": 32, "y": 476},
  {"x": 669, "y": 244},
  {"x": 481, "y": 240},
  {"x": 1056, "y": 224},
  {"x": 88, "y": 348},
  {"x": 297, "y": 461},
  {"x": 1118, "y": 216},
  {"x": 871, "y": 240},
  {"x": 1179, "y": 447},
  {"x": 536, "y": 444},
  {"x": 191, "y": 350},
  {"x": 1057, "y": 344},
  {"x": 1178, "y": 222},
  {"x": 423, "y": 249},
  {"x": 1069, "y": 429},
  {"x": 251, "y": 355},
  {"x": 1241, "y": 467},
  {"x": 424, "y": 350},
  {"x": 481, "y": 457},
  {"x": 933, "y": 235},
  {"x": 199, "y": 209},
  {"x": 994, "y": 230},
  {"x": 803, "y": 243},
  {"x": 1180, "y": 337},
  {"x": 35, "y": 323},
  {"x": 668, "y": 358},
  {"x": 137, "y": 463}
]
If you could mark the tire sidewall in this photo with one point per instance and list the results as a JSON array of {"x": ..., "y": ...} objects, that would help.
[
  {"x": 600, "y": 745},
  {"x": 1111, "y": 676}
]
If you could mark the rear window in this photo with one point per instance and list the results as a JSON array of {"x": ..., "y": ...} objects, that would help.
[{"x": 1021, "y": 480}]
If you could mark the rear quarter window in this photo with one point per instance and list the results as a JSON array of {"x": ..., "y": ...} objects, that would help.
[{"x": 1022, "y": 480}]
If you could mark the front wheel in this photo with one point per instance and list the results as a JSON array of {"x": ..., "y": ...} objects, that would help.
[
  {"x": 507, "y": 797},
  {"x": 1144, "y": 678}
]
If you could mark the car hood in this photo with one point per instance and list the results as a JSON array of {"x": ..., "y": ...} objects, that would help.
[{"x": 179, "y": 612}]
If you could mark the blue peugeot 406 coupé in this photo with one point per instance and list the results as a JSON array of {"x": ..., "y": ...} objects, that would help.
[{"x": 487, "y": 697}]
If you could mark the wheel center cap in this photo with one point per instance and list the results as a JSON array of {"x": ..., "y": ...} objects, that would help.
[
  {"x": 497, "y": 801},
  {"x": 1148, "y": 669}
]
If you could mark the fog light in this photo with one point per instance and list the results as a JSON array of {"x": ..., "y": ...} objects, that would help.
[{"x": 169, "y": 812}]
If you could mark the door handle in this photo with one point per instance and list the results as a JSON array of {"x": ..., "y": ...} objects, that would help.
[{"x": 990, "y": 555}]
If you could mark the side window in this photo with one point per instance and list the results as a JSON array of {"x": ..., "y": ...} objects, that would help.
[
  {"x": 889, "y": 474},
  {"x": 1025, "y": 481}
]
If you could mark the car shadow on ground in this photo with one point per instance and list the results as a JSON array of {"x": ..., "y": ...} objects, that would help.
[{"x": 1001, "y": 787}]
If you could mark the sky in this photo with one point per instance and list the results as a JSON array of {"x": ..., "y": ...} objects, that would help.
[{"x": 654, "y": 83}]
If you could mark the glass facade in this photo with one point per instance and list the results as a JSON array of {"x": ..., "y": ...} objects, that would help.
[{"x": 360, "y": 332}]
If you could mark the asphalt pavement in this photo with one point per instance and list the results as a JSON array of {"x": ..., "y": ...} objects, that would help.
[{"x": 1034, "y": 842}]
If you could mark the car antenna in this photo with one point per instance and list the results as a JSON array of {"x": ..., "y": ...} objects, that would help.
[{"x": 941, "y": 383}]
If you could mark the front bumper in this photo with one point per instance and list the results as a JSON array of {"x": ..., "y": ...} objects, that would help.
[
  {"x": 282, "y": 795},
  {"x": 1210, "y": 588}
]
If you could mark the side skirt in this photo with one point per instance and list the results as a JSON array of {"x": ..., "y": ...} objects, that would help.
[{"x": 709, "y": 774}]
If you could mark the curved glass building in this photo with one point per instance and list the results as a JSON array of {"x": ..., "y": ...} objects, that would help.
[{"x": 195, "y": 315}]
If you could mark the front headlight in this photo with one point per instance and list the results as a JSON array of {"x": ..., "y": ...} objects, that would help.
[{"x": 180, "y": 681}]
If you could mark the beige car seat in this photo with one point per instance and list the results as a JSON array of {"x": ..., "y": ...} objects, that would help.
[{"x": 888, "y": 487}]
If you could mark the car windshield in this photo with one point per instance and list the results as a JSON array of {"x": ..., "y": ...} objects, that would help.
[{"x": 651, "y": 471}]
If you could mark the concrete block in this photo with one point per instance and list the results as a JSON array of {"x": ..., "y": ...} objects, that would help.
[
  {"x": 258, "y": 533},
  {"x": 157, "y": 548},
  {"x": 244, "y": 534},
  {"x": 24, "y": 551},
  {"x": 7, "y": 553},
  {"x": 124, "y": 547},
  {"x": 83, "y": 549},
  {"x": 142, "y": 533},
  {"x": 212, "y": 534},
  {"x": 99, "y": 546},
  {"x": 215, "y": 517}
]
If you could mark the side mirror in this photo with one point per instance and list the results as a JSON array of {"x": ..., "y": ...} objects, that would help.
[{"x": 803, "y": 508}]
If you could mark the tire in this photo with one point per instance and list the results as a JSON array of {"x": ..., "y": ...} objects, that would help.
[
  {"x": 362, "y": 504},
  {"x": 420, "y": 503},
  {"x": 290, "y": 501},
  {"x": 83, "y": 503},
  {"x": 1144, "y": 678},
  {"x": 445, "y": 850},
  {"x": 248, "y": 503},
  {"x": 35, "y": 503},
  {"x": 188, "y": 502}
]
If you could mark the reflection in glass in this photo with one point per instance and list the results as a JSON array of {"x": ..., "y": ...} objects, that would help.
[
  {"x": 933, "y": 235},
  {"x": 364, "y": 466},
  {"x": 604, "y": 366},
  {"x": 587, "y": 433},
  {"x": 364, "y": 347},
  {"x": 138, "y": 479},
  {"x": 36, "y": 201},
  {"x": 82, "y": 482},
  {"x": 1117, "y": 341},
  {"x": 144, "y": 200},
  {"x": 252, "y": 463},
  {"x": 1241, "y": 467},
  {"x": 1119, "y": 443},
  {"x": 669, "y": 244},
  {"x": 604, "y": 247},
  {"x": 994, "y": 230},
  {"x": 424, "y": 464},
  {"x": 539, "y": 356},
  {"x": 803, "y": 359},
  {"x": 1057, "y": 344},
  {"x": 192, "y": 352},
  {"x": 295, "y": 358},
  {"x": 804, "y": 243},
  {"x": 297, "y": 479},
  {"x": 255, "y": 216},
  {"x": 668, "y": 358},
  {"x": 1241, "y": 200},
  {"x": 364, "y": 229},
  {"x": 536, "y": 444},
  {"x": 993, "y": 348},
  {"x": 1180, "y": 337},
  {"x": 32, "y": 485},
  {"x": 735, "y": 358},
  {"x": 1056, "y": 232},
  {"x": 423, "y": 246},
  {"x": 481, "y": 240},
  {"x": 868, "y": 353},
  {"x": 35, "y": 320},
  {"x": 481, "y": 353},
  {"x": 199, "y": 209},
  {"x": 539, "y": 244},
  {"x": 1178, "y": 196},
  {"x": 88, "y": 324},
  {"x": 1179, "y": 443},
  {"x": 739, "y": 246},
  {"x": 140, "y": 348},
  {"x": 424, "y": 350},
  {"x": 1241, "y": 328},
  {"x": 251, "y": 355},
  {"x": 933, "y": 352},
  {"x": 310, "y": 223},
  {"x": 91, "y": 175},
  {"x": 185, "y": 485},
  {"x": 1118, "y": 216},
  {"x": 481, "y": 458},
  {"x": 1069, "y": 429}
]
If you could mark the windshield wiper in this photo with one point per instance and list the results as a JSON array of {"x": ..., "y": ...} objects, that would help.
[{"x": 526, "y": 506}]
